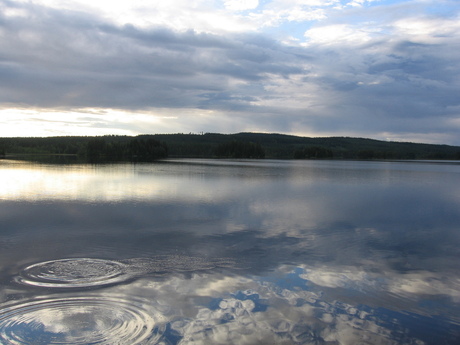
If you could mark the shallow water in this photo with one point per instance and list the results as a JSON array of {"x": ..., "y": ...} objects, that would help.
[{"x": 222, "y": 252}]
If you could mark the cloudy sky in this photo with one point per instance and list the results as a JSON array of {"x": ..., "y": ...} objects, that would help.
[{"x": 383, "y": 69}]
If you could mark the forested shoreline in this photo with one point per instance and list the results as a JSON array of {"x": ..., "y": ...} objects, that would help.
[{"x": 215, "y": 145}]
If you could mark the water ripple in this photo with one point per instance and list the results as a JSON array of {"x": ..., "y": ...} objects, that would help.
[
  {"x": 70, "y": 273},
  {"x": 87, "y": 272},
  {"x": 78, "y": 320},
  {"x": 162, "y": 264}
]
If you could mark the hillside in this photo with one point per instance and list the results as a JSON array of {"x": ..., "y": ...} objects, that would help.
[
  {"x": 208, "y": 145},
  {"x": 280, "y": 146}
]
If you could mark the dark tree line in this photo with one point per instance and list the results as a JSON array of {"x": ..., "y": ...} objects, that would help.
[
  {"x": 239, "y": 149},
  {"x": 142, "y": 150},
  {"x": 313, "y": 152},
  {"x": 211, "y": 145}
]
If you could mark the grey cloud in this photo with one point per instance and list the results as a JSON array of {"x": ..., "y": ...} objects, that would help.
[
  {"x": 392, "y": 89},
  {"x": 62, "y": 59},
  {"x": 65, "y": 59}
]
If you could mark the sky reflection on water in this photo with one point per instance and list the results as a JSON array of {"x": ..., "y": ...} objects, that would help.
[{"x": 315, "y": 252}]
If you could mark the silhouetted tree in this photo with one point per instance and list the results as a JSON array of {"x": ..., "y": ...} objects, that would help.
[
  {"x": 366, "y": 154},
  {"x": 136, "y": 149},
  {"x": 313, "y": 152},
  {"x": 95, "y": 148},
  {"x": 240, "y": 149},
  {"x": 147, "y": 149}
]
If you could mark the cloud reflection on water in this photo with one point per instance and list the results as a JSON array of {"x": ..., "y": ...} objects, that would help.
[
  {"x": 338, "y": 252},
  {"x": 255, "y": 311}
]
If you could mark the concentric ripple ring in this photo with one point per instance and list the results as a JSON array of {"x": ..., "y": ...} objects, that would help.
[
  {"x": 73, "y": 273},
  {"x": 78, "y": 320}
]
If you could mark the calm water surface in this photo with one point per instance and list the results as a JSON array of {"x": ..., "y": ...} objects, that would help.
[{"x": 230, "y": 252}]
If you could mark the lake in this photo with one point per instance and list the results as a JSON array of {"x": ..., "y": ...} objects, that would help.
[{"x": 230, "y": 252}]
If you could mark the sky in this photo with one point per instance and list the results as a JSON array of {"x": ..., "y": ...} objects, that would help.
[{"x": 381, "y": 69}]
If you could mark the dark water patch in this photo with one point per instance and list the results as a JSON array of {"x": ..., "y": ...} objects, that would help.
[{"x": 176, "y": 263}]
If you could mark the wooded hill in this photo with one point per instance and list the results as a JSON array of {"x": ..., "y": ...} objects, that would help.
[{"x": 214, "y": 145}]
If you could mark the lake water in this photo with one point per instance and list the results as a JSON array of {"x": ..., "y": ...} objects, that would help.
[{"x": 230, "y": 252}]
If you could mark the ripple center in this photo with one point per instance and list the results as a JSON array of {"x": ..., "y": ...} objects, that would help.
[
  {"x": 71, "y": 273},
  {"x": 80, "y": 320}
]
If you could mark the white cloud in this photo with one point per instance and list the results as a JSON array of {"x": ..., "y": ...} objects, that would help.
[
  {"x": 338, "y": 34},
  {"x": 425, "y": 283},
  {"x": 289, "y": 315},
  {"x": 199, "y": 15},
  {"x": 309, "y": 3},
  {"x": 345, "y": 278},
  {"x": 428, "y": 30},
  {"x": 49, "y": 122},
  {"x": 241, "y": 5},
  {"x": 405, "y": 285}
]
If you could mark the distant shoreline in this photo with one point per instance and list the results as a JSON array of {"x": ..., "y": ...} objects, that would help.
[{"x": 239, "y": 145}]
